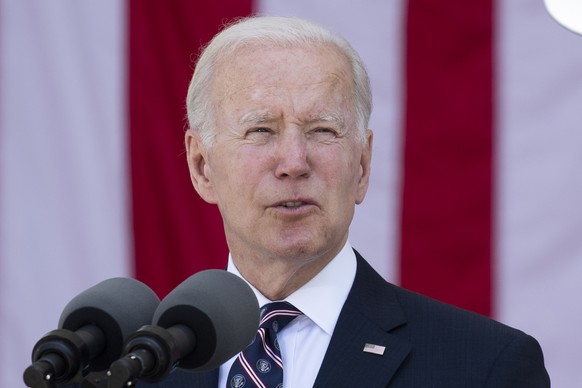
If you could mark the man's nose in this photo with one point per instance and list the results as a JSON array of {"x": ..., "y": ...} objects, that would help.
[{"x": 292, "y": 155}]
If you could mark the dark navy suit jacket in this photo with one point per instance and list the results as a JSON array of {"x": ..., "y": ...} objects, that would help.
[{"x": 427, "y": 344}]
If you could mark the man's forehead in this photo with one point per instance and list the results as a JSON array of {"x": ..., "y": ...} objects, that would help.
[
  {"x": 315, "y": 83},
  {"x": 264, "y": 60},
  {"x": 257, "y": 89},
  {"x": 262, "y": 98}
]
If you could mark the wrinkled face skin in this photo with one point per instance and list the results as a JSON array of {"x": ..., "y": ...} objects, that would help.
[{"x": 286, "y": 168}]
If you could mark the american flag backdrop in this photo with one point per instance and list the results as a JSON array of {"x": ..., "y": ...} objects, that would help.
[{"x": 476, "y": 174}]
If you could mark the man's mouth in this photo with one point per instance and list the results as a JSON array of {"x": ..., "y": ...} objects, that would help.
[{"x": 294, "y": 204}]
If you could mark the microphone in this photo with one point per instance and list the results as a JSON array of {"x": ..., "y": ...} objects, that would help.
[
  {"x": 202, "y": 323},
  {"x": 92, "y": 329}
]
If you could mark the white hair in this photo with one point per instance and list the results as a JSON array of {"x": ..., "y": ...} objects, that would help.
[{"x": 270, "y": 31}]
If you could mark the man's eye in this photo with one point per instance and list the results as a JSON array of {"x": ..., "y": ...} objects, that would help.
[
  {"x": 325, "y": 130},
  {"x": 258, "y": 133},
  {"x": 257, "y": 130},
  {"x": 261, "y": 130}
]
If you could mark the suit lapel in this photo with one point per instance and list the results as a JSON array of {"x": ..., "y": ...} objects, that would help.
[{"x": 371, "y": 311}]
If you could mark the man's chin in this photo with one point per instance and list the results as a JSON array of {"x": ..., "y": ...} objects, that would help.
[{"x": 299, "y": 251}]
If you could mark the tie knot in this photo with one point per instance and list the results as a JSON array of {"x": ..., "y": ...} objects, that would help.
[{"x": 277, "y": 315}]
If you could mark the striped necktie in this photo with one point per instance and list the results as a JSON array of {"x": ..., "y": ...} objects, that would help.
[{"x": 260, "y": 364}]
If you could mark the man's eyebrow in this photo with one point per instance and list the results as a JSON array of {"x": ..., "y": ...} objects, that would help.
[
  {"x": 256, "y": 118},
  {"x": 259, "y": 118},
  {"x": 332, "y": 118}
]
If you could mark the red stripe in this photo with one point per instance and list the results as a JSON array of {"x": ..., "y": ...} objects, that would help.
[
  {"x": 447, "y": 193},
  {"x": 175, "y": 232}
]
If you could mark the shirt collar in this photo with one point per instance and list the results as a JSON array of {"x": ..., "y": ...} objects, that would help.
[{"x": 322, "y": 298}]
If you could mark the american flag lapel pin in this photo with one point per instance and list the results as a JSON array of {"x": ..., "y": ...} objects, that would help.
[{"x": 374, "y": 349}]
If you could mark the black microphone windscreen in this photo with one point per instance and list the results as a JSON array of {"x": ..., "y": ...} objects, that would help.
[
  {"x": 118, "y": 306},
  {"x": 221, "y": 310}
]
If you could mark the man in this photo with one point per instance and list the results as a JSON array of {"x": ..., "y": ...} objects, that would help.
[{"x": 278, "y": 111}]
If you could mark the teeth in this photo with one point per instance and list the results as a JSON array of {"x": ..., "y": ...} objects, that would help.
[{"x": 293, "y": 204}]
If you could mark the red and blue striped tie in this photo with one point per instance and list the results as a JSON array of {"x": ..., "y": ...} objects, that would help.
[{"x": 260, "y": 364}]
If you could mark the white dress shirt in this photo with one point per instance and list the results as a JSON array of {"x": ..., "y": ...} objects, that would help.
[{"x": 304, "y": 341}]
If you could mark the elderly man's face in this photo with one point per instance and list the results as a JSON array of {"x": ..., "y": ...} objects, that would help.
[{"x": 286, "y": 167}]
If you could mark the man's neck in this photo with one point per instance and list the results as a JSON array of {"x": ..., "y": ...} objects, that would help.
[{"x": 277, "y": 279}]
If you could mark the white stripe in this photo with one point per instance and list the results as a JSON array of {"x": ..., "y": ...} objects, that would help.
[
  {"x": 63, "y": 224},
  {"x": 539, "y": 266}
]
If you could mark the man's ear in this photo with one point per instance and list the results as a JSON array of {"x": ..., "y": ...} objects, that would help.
[
  {"x": 365, "y": 166},
  {"x": 197, "y": 156}
]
